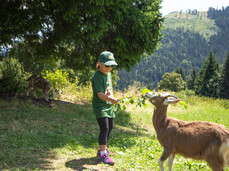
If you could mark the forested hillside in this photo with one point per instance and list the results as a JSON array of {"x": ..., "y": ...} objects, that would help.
[{"x": 188, "y": 39}]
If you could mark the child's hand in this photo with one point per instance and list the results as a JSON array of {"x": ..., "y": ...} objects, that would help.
[{"x": 114, "y": 100}]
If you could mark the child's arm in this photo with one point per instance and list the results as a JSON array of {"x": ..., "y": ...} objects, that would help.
[{"x": 105, "y": 97}]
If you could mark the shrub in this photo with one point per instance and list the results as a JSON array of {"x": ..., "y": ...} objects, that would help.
[
  {"x": 172, "y": 81},
  {"x": 58, "y": 79},
  {"x": 69, "y": 90},
  {"x": 13, "y": 77}
]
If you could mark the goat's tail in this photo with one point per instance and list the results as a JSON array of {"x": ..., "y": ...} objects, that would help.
[{"x": 224, "y": 151}]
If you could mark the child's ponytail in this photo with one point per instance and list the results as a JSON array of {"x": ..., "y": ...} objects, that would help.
[{"x": 97, "y": 66}]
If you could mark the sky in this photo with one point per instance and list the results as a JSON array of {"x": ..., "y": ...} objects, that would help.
[{"x": 201, "y": 5}]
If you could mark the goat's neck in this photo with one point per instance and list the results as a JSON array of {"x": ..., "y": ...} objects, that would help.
[{"x": 159, "y": 117}]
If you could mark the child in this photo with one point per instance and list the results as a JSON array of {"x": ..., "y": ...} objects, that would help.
[{"x": 102, "y": 102}]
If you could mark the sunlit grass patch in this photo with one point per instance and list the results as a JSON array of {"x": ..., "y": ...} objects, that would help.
[{"x": 65, "y": 136}]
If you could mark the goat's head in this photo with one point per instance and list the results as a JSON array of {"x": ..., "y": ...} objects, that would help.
[{"x": 162, "y": 98}]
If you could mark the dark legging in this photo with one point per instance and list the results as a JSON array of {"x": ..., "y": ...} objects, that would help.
[{"x": 106, "y": 125}]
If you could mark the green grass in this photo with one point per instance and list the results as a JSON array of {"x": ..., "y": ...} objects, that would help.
[
  {"x": 65, "y": 137},
  {"x": 200, "y": 24}
]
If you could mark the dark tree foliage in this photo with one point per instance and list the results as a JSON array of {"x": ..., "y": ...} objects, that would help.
[
  {"x": 225, "y": 79},
  {"x": 192, "y": 82},
  {"x": 180, "y": 71},
  {"x": 212, "y": 67},
  {"x": 209, "y": 80},
  {"x": 219, "y": 43},
  {"x": 199, "y": 83},
  {"x": 76, "y": 31}
]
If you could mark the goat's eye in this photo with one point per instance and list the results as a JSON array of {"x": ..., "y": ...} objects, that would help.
[{"x": 152, "y": 101}]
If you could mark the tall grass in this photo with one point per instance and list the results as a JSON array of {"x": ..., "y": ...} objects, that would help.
[
  {"x": 75, "y": 93},
  {"x": 65, "y": 136}
]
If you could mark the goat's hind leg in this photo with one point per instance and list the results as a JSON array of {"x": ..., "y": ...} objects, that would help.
[
  {"x": 224, "y": 151},
  {"x": 170, "y": 161},
  {"x": 215, "y": 164},
  {"x": 165, "y": 155}
]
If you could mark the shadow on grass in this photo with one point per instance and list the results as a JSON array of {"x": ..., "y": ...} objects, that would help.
[
  {"x": 29, "y": 134},
  {"x": 82, "y": 163}
]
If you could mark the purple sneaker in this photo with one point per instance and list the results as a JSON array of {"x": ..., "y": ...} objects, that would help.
[
  {"x": 108, "y": 152},
  {"x": 106, "y": 159}
]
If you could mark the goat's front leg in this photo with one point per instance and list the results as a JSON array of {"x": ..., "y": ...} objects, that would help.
[
  {"x": 161, "y": 164},
  {"x": 165, "y": 155},
  {"x": 45, "y": 96},
  {"x": 34, "y": 92},
  {"x": 28, "y": 92},
  {"x": 170, "y": 161}
]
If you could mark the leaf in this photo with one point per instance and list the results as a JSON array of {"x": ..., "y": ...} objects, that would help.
[
  {"x": 131, "y": 101},
  {"x": 183, "y": 104},
  {"x": 144, "y": 91},
  {"x": 123, "y": 107}
]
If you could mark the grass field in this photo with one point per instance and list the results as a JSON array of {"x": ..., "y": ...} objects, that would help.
[
  {"x": 198, "y": 23},
  {"x": 65, "y": 136}
]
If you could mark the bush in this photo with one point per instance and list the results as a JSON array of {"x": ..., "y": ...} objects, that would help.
[
  {"x": 58, "y": 79},
  {"x": 172, "y": 81},
  {"x": 13, "y": 77},
  {"x": 69, "y": 90}
]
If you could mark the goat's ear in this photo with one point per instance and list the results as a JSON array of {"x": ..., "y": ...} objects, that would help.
[{"x": 166, "y": 102}]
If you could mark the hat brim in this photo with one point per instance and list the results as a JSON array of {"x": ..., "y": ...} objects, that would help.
[{"x": 109, "y": 63}]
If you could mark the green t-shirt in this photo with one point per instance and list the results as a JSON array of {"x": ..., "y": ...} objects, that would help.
[{"x": 102, "y": 83}]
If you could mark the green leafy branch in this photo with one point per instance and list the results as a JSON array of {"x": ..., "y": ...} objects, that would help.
[{"x": 139, "y": 101}]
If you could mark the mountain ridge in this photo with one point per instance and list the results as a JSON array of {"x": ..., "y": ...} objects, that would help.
[
  {"x": 187, "y": 42},
  {"x": 198, "y": 22}
]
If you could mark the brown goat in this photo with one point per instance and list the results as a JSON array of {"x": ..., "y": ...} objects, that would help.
[
  {"x": 197, "y": 140},
  {"x": 38, "y": 82}
]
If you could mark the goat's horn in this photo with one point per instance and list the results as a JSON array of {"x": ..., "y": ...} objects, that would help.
[
  {"x": 170, "y": 95},
  {"x": 151, "y": 95}
]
